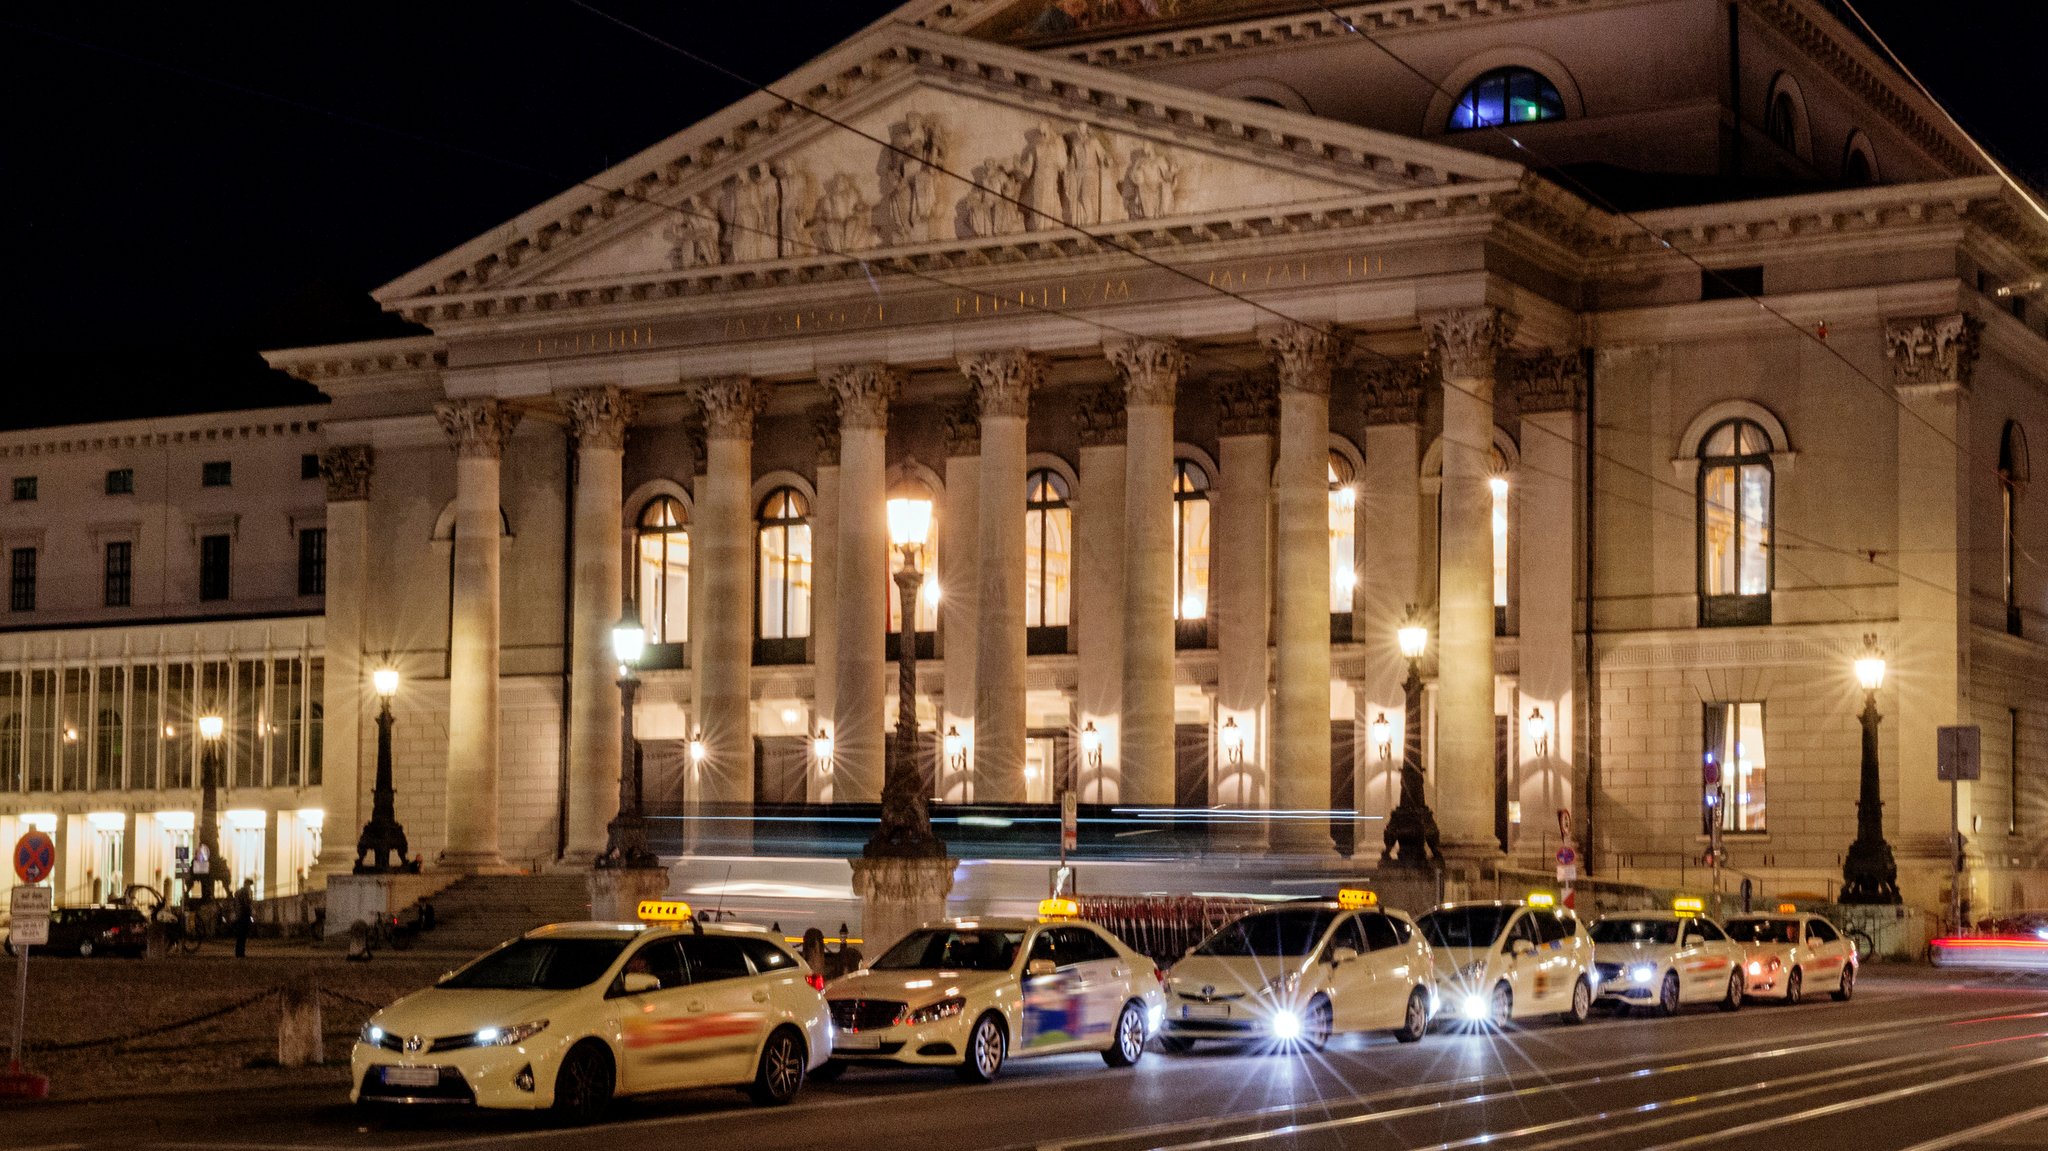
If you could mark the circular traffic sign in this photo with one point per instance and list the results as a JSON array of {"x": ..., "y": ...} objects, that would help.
[
  {"x": 35, "y": 857},
  {"x": 1566, "y": 857}
]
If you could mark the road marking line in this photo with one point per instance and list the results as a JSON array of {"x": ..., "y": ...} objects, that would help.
[{"x": 1982, "y": 1129}]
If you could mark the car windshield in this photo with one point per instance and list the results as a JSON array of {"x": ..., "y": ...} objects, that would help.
[
  {"x": 1464, "y": 926},
  {"x": 1280, "y": 933},
  {"x": 540, "y": 965},
  {"x": 1763, "y": 930},
  {"x": 955, "y": 950},
  {"x": 1636, "y": 931}
]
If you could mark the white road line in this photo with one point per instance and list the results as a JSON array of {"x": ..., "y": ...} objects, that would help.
[{"x": 1980, "y": 1130}]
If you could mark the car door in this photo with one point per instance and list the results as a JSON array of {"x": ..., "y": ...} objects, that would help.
[
  {"x": 1830, "y": 953},
  {"x": 1106, "y": 981},
  {"x": 1527, "y": 974},
  {"x": 652, "y": 1023},
  {"x": 729, "y": 1008},
  {"x": 1391, "y": 963},
  {"x": 1055, "y": 992},
  {"x": 1557, "y": 957},
  {"x": 1712, "y": 960},
  {"x": 1347, "y": 972}
]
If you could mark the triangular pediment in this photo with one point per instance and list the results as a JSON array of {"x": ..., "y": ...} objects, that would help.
[{"x": 925, "y": 140}]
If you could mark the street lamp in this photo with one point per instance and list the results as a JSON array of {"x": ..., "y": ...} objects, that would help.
[
  {"x": 210, "y": 729},
  {"x": 1233, "y": 741},
  {"x": 905, "y": 830},
  {"x": 821, "y": 749},
  {"x": 626, "y": 835},
  {"x": 1383, "y": 737},
  {"x": 1539, "y": 732},
  {"x": 956, "y": 748},
  {"x": 1869, "y": 874},
  {"x": 1411, "y": 836},
  {"x": 383, "y": 838},
  {"x": 1091, "y": 745}
]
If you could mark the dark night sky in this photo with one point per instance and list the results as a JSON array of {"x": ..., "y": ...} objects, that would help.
[{"x": 188, "y": 184}]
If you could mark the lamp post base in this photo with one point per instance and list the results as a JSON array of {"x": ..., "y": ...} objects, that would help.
[
  {"x": 896, "y": 895},
  {"x": 1411, "y": 839},
  {"x": 1870, "y": 875}
]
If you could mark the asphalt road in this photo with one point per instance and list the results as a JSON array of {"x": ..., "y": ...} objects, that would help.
[{"x": 1919, "y": 1060}]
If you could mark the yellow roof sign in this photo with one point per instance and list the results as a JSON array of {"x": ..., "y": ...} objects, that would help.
[
  {"x": 1689, "y": 905},
  {"x": 1788, "y": 908},
  {"x": 1058, "y": 909},
  {"x": 1354, "y": 898},
  {"x": 663, "y": 911},
  {"x": 1542, "y": 899}
]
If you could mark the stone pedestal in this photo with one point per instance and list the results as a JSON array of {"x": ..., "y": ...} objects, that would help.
[
  {"x": 616, "y": 892},
  {"x": 365, "y": 898},
  {"x": 300, "y": 1040},
  {"x": 896, "y": 895}
]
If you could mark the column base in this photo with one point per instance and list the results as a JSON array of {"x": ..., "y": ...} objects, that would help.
[
  {"x": 1301, "y": 838},
  {"x": 476, "y": 863},
  {"x": 616, "y": 892},
  {"x": 897, "y": 895}
]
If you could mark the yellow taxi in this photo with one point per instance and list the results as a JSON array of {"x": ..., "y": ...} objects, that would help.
[
  {"x": 567, "y": 1016},
  {"x": 1502, "y": 961},
  {"x": 1665, "y": 959},
  {"x": 1792, "y": 952},
  {"x": 1300, "y": 972},
  {"x": 971, "y": 993}
]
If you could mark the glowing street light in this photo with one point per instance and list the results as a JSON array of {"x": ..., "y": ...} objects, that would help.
[
  {"x": 1869, "y": 873},
  {"x": 1411, "y": 835},
  {"x": 626, "y": 835},
  {"x": 382, "y": 842},
  {"x": 905, "y": 830}
]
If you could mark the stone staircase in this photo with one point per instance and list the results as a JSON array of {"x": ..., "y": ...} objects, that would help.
[{"x": 475, "y": 914}]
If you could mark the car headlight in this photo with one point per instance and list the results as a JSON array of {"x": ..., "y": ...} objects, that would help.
[
  {"x": 373, "y": 1035},
  {"x": 933, "y": 1012},
  {"x": 508, "y": 1036},
  {"x": 1642, "y": 973}
]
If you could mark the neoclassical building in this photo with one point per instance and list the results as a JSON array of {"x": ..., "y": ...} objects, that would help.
[{"x": 1654, "y": 352}]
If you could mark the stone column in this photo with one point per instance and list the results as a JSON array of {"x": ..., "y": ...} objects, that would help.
[
  {"x": 861, "y": 597},
  {"x": 346, "y": 468},
  {"x": 1003, "y": 382},
  {"x": 960, "y": 583},
  {"x": 479, "y": 429},
  {"x": 1151, "y": 371},
  {"x": 1551, "y": 390},
  {"x": 1241, "y": 569},
  {"x": 1465, "y": 344},
  {"x": 1304, "y": 356},
  {"x": 1390, "y": 524},
  {"x": 820, "y": 786},
  {"x": 598, "y": 418},
  {"x": 1932, "y": 359},
  {"x": 722, "y": 561},
  {"x": 1099, "y": 588}
]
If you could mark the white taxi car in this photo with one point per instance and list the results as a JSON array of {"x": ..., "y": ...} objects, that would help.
[
  {"x": 569, "y": 1015},
  {"x": 1665, "y": 959},
  {"x": 1298, "y": 972},
  {"x": 1791, "y": 953},
  {"x": 1509, "y": 960},
  {"x": 970, "y": 993}
]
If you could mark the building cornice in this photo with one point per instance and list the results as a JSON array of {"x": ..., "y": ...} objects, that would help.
[
  {"x": 214, "y": 427},
  {"x": 329, "y": 363}
]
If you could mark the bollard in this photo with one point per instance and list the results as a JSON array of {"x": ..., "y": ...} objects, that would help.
[
  {"x": 299, "y": 1040},
  {"x": 156, "y": 940},
  {"x": 358, "y": 942}
]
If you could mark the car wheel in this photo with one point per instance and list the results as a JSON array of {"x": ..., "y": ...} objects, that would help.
[
  {"x": 1733, "y": 1000},
  {"x": 986, "y": 1046},
  {"x": 1502, "y": 1011},
  {"x": 829, "y": 1070},
  {"x": 1316, "y": 1025},
  {"x": 85, "y": 949},
  {"x": 1667, "y": 995},
  {"x": 1416, "y": 1020},
  {"x": 583, "y": 1087},
  {"x": 1129, "y": 1040},
  {"x": 1175, "y": 1045},
  {"x": 781, "y": 1073},
  {"x": 1848, "y": 987},
  {"x": 1792, "y": 988},
  {"x": 1582, "y": 1003}
]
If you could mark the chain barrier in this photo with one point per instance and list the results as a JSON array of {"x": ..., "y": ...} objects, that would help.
[
  {"x": 354, "y": 1000},
  {"x": 159, "y": 1029}
]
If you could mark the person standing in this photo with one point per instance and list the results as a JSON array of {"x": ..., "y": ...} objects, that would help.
[{"x": 245, "y": 916}]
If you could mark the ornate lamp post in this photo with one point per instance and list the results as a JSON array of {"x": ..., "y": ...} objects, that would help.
[
  {"x": 1869, "y": 874},
  {"x": 905, "y": 831},
  {"x": 210, "y": 729},
  {"x": 383, "y": 839},
  {"x": 1411, "y": 836},
  {"x": 626, "y": 835}
]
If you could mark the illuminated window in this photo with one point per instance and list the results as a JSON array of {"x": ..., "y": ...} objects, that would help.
[
  {"x": 1735, "y": 755},
  {"x": 1735, "y": 502},
  {"x": 1048, "y": 550},
  {"x": 1190, "y": 540},
  {"x": 662, "y": 590},
  {"x": 2012, "y": 472},
  {"x": 1498, "y": 485},
  {"x": 1506, "y": 96},
  {"x": 785, "y": 565},
  {"x": 927, "y": 562},
  {"x": 1343, "y": 534}
]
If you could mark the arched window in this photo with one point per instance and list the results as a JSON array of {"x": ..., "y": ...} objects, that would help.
[
  {"x": 927, "y": 562},
  {"x": 1735, "y": 513},
  {"x": 785, "y": 559},
  {"x": 1506, "y": 96},
  {"x": 1190, "y": 541},
  {"x": 1497, "y": 487},
  {"x": 662, "y": 589},
  {"x": 1343, "y": 534},
  {"x": 2012, "y": 473},
  {"x": 1781, "y": 121},
  {"x": 1048, "y": 550}
]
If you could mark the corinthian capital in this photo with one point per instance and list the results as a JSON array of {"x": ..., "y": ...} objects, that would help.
[
  {"x": 1248, "y": 403},
  {"x": 1003, "y": 381},
  {"x": 864, "y": 392},
  {"x": 599, "y": 415},
  {"x": 825, "y": 425},
  {"x": 1100, "y": 415},
  {"x": 1464, "y": 342},
  {"x": 1549, "y": 382},
  {"x": 963, "y": 429},
  {"x": 1392, "y": 392},
  {"x": 1151, "y": 369},
  {"x": 730, "y": 405},
  {"x": 477, "y": 427},
  {"x": 346, "y": 468},
  {"x": 1304, "y": 355},
  {"x": 1932, "y": 351}
]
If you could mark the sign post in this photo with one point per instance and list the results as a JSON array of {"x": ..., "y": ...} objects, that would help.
[
  {"x": 35, "y": 857},
  {"x": 1958, "y": 756},
  {"x": 1070, "y": 824}
]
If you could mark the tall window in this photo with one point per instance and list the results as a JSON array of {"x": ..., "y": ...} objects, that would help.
[
  {"x": 107, "y": 759},
  {"x": 785, "y": 566},
  {"x": 662, "y": 592},
  {"x": 1735, "y": 745},
  {"x": 1343, "y": 534},
  {"x": 1781, "y": 121},
  {"x": 1506, "y": 96},
  {"x": 312, "y": 561},
  {"x": 213, "y": 567},
  {"x": 1048, "y": 550},
  {"x": 1735, "y": 511},
  {"x": 217, "y": 473},
  {"x": 1497, "y": 487},
  {"x": 21, "y": 580},
  {"x": 2012, "y": 472},
  {"x": 120, "y": 572},
  {"x": 1190, "y": 541}
]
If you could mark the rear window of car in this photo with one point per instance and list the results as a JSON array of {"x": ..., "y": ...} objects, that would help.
[
  {"x": 1636, "y": 931},
  {"x": 1286, "y": 933},
  {"x": 540, "y": 965},
  {"x": 1464, "y": 926},
  {"x": 1764, "y": 930},
  {"x": 766, "y": 955}
]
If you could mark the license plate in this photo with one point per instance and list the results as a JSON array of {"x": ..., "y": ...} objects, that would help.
[
  {"x": 846, "y": 1041},
  {"x": 1204, "y": 1011},
  {"x": 412, "y": 1076}
]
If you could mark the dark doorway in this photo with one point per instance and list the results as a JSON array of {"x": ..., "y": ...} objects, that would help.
[
  {"x": 1501, "y": 741},
  {"x": 1191, "y": 765},
  {"x": 1343, "y": 785}
]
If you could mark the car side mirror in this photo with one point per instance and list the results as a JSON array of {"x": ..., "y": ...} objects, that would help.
[
  {"x": 1521, "y": 947},
  {"x": 1040, "y": 967},
  {"x": 1342, "y": 954},
  {"x": 637, "y": 982}
]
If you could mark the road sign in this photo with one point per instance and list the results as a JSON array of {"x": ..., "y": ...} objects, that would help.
[
  {"x": 35, "y": 857},
  {"x": 1566, "y": 856},
  {"x": 28, "y": 910},
  {"x": 1958, "y": 753}
]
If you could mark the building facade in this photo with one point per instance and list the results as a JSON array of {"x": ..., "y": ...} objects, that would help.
[{"x": 1659, "y": 356}]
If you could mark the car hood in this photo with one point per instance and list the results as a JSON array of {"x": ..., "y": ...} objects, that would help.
[
  {"x": 1631, "y": 952},
  {"x": 1248, "y": 974},
  {"x": 915, "y": 986},
  {"x": 1451, "y": 960},
  {"x": 441, "y": 1011}
]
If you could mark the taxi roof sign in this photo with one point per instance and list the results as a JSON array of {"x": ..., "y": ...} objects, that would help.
[
  {"x": 663, "y": 911},
  {"x": 1057, "y": 909},
  {"x": 1787, "y": 908},
  {"x": 1689, "y": 905},
  {"x": 1542, "y": 899},
  {"x": 1356, "y": 898}
]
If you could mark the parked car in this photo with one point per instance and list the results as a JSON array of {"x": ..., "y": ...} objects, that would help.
[{"x": 89, "y": 931}]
